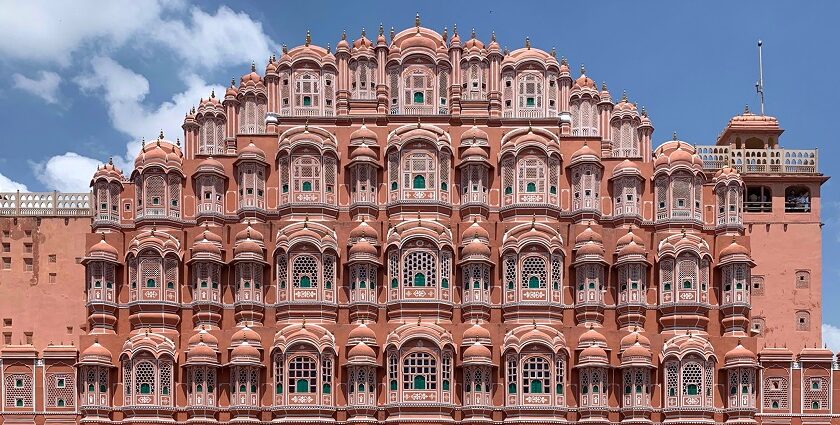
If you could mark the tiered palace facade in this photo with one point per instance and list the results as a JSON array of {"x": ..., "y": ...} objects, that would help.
[{"x": 420, "y": 228}]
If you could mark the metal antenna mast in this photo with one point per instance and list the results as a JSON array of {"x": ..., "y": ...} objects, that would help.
[{"x": 759, "y": 85}]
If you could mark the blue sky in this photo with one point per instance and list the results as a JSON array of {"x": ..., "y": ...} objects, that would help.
[{"x": 83, "y": 81}]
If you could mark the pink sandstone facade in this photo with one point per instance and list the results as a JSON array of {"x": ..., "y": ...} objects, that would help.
[{"x": 422, "y": 229}]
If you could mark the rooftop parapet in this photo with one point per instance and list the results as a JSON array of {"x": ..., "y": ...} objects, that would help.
[{"x": 45, "y": 204}]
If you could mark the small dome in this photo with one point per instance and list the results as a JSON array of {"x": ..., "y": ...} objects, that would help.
[
  {"x": 252, "y": 151},
  {"x": 593, "y": 354},
  {"x": 161, "y": 152},
  {"x": 473, "y": 134},
  {"x": 592, "y": 337},
  {"x": 103, "y": 249},
  {"x": 212, "y": 165},
  {"x": 109, "y": 172},
  {"x": 247, "y": 247},
  {"x": 203, "y": 336},
  {"x": 476, "y": 332},
  {"x": 626, "y": 167},
  {"x": 739, "y": 353},
  {"x": 633, "y": 338},
  {"x": 362, "y": 333},
  {"x": 584, "y": 154},
  {"x": 207, "y": 236},
  {"x": 246, "y": 334},
  {"x": 474, "y": 152},
  {"x": 201, "y": 352},
  {"x": 249, "y": 233},
  {"x": 476, "y": 248},
  {"x": 477, "y": 354},
  {"x": 590, "y": 248},
  {"x": 632, "y": 249},
  {"x": 363, "y": 247},
  {"x": 734, "y": 249},
  {"x": 364, "y": 152},
  {"x": 636, "y": 352},
  {"x": 361, "y": 353},
  {"x": 584, "y": 82},
  {"x": 245, "y": 352},
  {"x": 363, "y": 132},
  {"x": 96, "y": 354},
  {"x": 627, "y": 238},
  {"x": 475, "y": 231},
  {"x": 587, "y": 235},
  {"x": 364, "y": 230}
]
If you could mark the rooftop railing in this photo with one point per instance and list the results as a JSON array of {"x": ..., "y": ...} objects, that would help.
[
  {"x": 45, "y": 204},
  {"x": 760, "y": 161}
]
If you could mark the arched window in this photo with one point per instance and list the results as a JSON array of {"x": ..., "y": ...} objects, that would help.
[
  {"x": 419, "y": 371},
  {"x": 586, "y": 182},
  {"x": 303, "y": 375},
  {"x": 536, "y": 375},
  {"x": 418, "y": 90},
  {"x": 530, "y": 95}
]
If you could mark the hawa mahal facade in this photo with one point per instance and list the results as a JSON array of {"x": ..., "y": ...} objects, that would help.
[{"x": 422, "y": 229}]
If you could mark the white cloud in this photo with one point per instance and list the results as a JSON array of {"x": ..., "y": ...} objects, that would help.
[
  {"x": 54, "y": 31},
  {"x": 831, "y": 337},
  {"x": 9, "y": 185},
  {"x": 51, "y": 31},
  {"x": 125, "y": 91},
  {"x": 70, "y": 172},
  {"x": 224, "y": 38},
  {"x": 45, "y": 86}
]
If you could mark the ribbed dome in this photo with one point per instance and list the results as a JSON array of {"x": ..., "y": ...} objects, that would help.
[
  {"x": 592, "y": 337},
  {"x": 210, "y": 164},
  {"x": 363, "y": 132},
  {"x": 739, "y": 353},
  {"x": 632, "y": 338},
  {"x": 363, "y": 247},
  {"x": 477, "y": 354},
  {"x": 245, "y": 352},
  {"x": 362, "y": 333},
  {"x": 476, "y": 332},
  {"x": 475, "y": 231},
  {"x": 627, "y": 238},
  {"x": 96, "y": 354},
  {"x": 590, "y": 248},
  {"x": 587, "y": 235},
  {"x": 252, "y": 151},
  {"x": 636, "y": 352},
  {"x": 364, "y": 152},
  {"x": 102, "y": 249},
  {"x": 108, "y": 171},
  {"x": 476, "y": 247},
  {"x": 361, "y": 353},
  {"x": 160, "y": 152},
  {"x": 473, "y": 134},
  {"x": 364, "y": 230},
  {"x": 632, "y": 249},
  {"x": 246, "y": 334},
  {"x": 201, "y": 352},
  {"x": 734, "y": 249},
  {"x": 203, "y": 336}
]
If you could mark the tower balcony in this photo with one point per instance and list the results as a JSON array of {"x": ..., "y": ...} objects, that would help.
[{"x": 760, "y": 161}]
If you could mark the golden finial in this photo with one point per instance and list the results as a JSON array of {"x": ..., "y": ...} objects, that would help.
[
  {"x": 253, "y": 66},
  {"x": 232, "y": 82},
  {"x": 455, "y": 29},
  {"x": 582, "y": 69},
  {"x": 472, "y": 34},
  {"x": 308, "y": 38},
  {"x": 644, "y": 111},
  {"x": 564, "y": 61},
  {"x": 212, "y": 93},
  {"x": 528, "y": 43},
  {"x": 417, "y": 20},
  {"x": 329, "y": 48},
  {"x": 553, "y": 52},
  {"x": 111, "y": 160},
  {"x": 747, "y": 109},
  {"x": 160, "y": 136},
  {"x": 624, "y": 95},
  {"x": 674, "y": 136},
  {"x": 381, "y": 29},
  {"x": 344, "y": 34},
  {"x": 391, "y": 34},
  {"x": 505, "y": 51},
  {"x": 493, "y": 36},
  {"x": 445, "y": 33},
  {"x": 364, "y": 33},
  {"x": 285, "y": 48},
  {"x": 178, "y": 141}
]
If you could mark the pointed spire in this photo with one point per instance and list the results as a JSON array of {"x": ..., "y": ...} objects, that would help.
[
  {"x": 445, "y": 34},
  {"x": 285, "y": 48},
  {"x": 674, "y": 136},
  {"x": 232, "y": 82},
  {"x": 472, "y": 34},
  {"x": 344, "y": 34},
  {"x": 308, "y": 38},
  {"x": 381, "y": 29},
  {"x": 644, "y": 111},
  {"x": 624, "y": 95},
  {"x": 564, "y": 61},
  {"x": 603, "y": 86},
  {"x": 455, "y": 29},
  {"x": 253, "y": 66},
  {"x": 212, "y": 93},
  {"x": 329, "y": 48},
  {"x": 364, "y": 33},
  {"x": 493, "y": 36},
  {"x": 392, "y": 34},
  {"x": 417, "y": 20},
  {"x": 160, "y": 136},
  {"x": 528, "y": 43},
  {"x": 746, "y": 109},
  {"x": 582, "y": 69},
  {"x": 111, "y": 160},
  {"x": 553, "y": 52}
]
